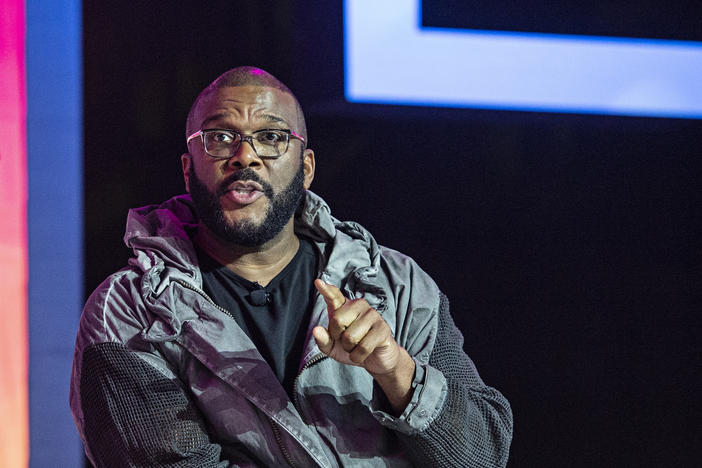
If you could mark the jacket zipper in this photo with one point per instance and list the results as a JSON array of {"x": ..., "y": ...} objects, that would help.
[
  {"x": 204, "y": 294},
  {"x": 296, "y": 400},
  {"x": 273, "y": 424},
  {"x": 278, "y": 439},
  {"x": 315, "y": 359}
]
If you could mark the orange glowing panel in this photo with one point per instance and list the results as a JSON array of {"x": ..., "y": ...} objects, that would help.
[{"x": 14, "y": 430}]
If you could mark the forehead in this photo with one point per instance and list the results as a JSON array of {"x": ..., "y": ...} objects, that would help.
[{"x": 240, "y": 104}]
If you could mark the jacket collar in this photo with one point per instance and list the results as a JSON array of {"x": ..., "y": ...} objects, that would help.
[{"x": 160, "y": 237}]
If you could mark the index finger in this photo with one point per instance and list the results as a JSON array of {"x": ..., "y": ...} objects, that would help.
[{"x": 332, "y": 295}]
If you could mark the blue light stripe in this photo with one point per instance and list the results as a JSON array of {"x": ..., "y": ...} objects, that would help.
[{"x": 55, "y": 224}]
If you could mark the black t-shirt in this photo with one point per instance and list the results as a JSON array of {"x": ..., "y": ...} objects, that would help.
[{"x": 276, "y": 316}]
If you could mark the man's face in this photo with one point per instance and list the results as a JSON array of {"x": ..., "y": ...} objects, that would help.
[{"x": 246, "y": 199}]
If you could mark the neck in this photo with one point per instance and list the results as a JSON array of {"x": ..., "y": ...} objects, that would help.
[{"x": 260, "y": 263}]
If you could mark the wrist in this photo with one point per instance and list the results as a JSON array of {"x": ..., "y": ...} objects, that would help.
[{"x": 397, "y": 384}]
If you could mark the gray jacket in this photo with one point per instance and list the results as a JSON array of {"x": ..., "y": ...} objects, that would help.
[{"x": 163, "y": 376}]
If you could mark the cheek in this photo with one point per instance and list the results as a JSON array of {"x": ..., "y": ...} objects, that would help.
[
  {"x": 208, "y": 174},
  {"x": 282, "y": 174}
]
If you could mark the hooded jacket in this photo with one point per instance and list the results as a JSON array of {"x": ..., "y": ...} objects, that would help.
[{"x": 163, "y": 376}]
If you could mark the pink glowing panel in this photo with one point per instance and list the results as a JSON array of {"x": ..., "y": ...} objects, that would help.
[{"x": 14, "y": 431}]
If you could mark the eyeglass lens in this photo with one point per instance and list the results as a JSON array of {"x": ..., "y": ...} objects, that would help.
[{"x": 223, "y": 143}]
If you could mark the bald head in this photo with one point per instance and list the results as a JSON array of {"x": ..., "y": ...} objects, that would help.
[{"x": 245, "y": 76}]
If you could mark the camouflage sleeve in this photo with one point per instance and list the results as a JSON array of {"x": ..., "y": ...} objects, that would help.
[{"x": 136, "y": 416}]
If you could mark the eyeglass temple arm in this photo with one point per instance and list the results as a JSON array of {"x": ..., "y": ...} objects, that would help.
[{"x": 194, "y": 135}]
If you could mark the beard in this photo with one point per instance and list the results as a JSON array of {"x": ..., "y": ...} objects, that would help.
[{"x": 281, "y": 207}]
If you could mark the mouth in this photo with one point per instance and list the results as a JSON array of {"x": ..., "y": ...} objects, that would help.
[
  {"x": 243, "y": 192},
  {"x": 243, "y": 186}
]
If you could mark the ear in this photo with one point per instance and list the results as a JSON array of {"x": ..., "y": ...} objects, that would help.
[
  {"x": 308, "y": 163},
  {"x": 186, "y": 160}
]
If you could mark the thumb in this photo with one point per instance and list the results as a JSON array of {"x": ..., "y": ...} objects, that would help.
[{"x": 324, "y": 341}]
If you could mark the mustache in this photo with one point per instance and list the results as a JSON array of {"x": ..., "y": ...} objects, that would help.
[{"x": 245, "y": 174}]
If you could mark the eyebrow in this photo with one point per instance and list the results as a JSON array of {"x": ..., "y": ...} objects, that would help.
[{"x": 273, "y": 118}]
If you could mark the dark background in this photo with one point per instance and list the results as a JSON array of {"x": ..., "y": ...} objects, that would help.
[
  {"x": 672, "y": 19},
  {"x": 569, "y": 245}
]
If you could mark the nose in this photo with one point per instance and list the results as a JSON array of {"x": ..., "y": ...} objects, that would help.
[{"x": 245, "y": 155}]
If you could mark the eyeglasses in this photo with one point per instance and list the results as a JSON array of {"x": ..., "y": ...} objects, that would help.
[{"x": 268, "y": 143}]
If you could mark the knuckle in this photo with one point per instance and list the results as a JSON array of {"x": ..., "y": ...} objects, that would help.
[
  {"x": 347, "y": 340},
  {"x": 381, "y": 325},
  {"x": 336, "y": 322},
  {"x": 363, "y": 348}
]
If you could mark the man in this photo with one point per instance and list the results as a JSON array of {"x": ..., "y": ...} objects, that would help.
[{"x": 251, "y": 328}]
